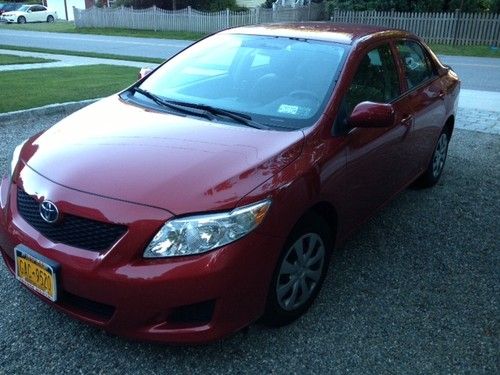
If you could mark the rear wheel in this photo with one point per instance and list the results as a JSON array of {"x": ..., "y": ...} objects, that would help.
[
  {"x": 50, "y": 19},
  {"x": 21, "y": 19},
  {"x": 436, "y": 165},
  {"x": 300, "y": 271}
]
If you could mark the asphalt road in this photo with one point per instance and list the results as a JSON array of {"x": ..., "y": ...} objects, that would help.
[
  {"x": 476, "y": 73},
  {"x": 119, "y": 45},
  {"x": 415, "y": 291}
]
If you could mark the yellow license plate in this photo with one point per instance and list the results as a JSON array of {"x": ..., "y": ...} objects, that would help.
[{"x": 37, "y": 272}]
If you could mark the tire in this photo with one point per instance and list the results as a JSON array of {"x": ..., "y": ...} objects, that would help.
[
  {"x": 436, "y": 165},
  {"x": 296, "y": 282},
  {"x": 21, "y": 19},
  {"x": 50, "y": 19}
]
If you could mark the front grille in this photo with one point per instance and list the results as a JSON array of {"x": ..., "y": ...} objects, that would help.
[{"x": 70, "y": 230}]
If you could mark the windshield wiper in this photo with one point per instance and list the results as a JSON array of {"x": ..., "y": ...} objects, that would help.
[
  {"x": 241, "y": 118},
  {"x": 166, "y": 103},
  {"x": 202, "y": 110}
]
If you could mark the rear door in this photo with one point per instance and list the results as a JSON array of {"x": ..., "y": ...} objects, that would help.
[
  {"x": 38, "y": 13},
  {"x": 426, "y": 96}
]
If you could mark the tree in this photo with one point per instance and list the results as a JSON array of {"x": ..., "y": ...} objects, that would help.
[
  {"x": 417, "y": 5},
  {"x": 496, "y": 6},
  {"x": 206, "y": 5},
  {"x": 472, "y": 5}
]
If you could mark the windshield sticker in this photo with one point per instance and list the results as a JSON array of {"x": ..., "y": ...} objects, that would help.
[{"x": 288, "y": 109}]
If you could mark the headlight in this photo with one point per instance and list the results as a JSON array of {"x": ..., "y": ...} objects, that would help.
[
  {"x": 202, "y": 233},
  {"x": 15, "y": 158}
]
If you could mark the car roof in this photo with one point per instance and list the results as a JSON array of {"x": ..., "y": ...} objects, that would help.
[{"x": 328, "y": 31}]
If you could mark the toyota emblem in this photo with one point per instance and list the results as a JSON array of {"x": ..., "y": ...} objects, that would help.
[{"x": 49, "y": 212}]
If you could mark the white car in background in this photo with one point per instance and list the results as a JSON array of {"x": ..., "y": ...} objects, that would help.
[{"x": 29, "y": 13}]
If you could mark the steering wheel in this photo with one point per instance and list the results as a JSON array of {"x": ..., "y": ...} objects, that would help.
[{"x": 305, "y": 94}]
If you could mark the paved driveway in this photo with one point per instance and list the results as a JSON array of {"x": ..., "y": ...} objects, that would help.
[{"x": 415, "y": 291}]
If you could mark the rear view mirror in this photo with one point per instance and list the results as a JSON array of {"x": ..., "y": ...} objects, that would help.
[
  {"x": 371, "y": 115},
  {"x": 144, "y": 72}
]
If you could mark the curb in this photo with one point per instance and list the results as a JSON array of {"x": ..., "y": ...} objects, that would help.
[{"x": 47, "y": 110}]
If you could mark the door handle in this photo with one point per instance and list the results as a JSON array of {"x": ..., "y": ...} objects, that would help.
[
  {"x": 407, "y": 120},
  {"x": 441, "y": 95}
]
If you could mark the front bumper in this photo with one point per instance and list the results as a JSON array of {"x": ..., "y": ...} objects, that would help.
[
  {"x": 214, "y": 294},
  {"x": 8, "y": 19}
]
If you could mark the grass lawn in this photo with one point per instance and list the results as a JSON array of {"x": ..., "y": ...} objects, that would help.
[
  {"x": 13, "y": 59},
  {"x": 69, "y": 27},
  {"x": 85, "y": 54},
  {"x": 38, "y": 87},
  {"x": 479, "y": 51},
  {"x": 56, "y": 27}
]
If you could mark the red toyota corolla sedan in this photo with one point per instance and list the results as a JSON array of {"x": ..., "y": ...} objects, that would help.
[{"x": 212, "y": 192}]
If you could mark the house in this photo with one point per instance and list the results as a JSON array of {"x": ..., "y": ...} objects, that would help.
[
  {"x": 282, "y": 3},
  {"x": 249, "y": 3},
  {"x": 64, "y": 8}
]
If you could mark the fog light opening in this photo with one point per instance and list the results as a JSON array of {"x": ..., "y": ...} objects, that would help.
[{"x": 197, "y": 313}]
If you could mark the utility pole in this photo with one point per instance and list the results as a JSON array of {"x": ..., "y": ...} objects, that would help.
[{"x": 66, "y": 10}]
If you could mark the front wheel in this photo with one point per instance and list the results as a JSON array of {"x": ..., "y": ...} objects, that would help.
[
  {"x": 50, "y": 19},
  {"x": 436, "y": 165},
  {"x": 21, "y": 19},
  {"x": 300, "y": 271}
]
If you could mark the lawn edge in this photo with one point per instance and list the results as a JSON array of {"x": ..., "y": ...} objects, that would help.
[{"x": 46, "y": 110}]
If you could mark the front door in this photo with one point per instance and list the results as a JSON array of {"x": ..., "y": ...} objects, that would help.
[{"x": 377, "y": 158}]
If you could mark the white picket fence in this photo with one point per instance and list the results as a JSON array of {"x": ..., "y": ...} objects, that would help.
[
  {"x": 445, "y": 28},
  {"x": 190, "y": 19}
]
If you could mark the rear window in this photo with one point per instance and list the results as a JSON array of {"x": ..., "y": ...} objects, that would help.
[{"x": 418, "y": 67}]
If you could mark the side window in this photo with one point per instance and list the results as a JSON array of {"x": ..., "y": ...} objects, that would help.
[
  {"x": 418, "y": 67},
  {"x": 376, "y": 80}
]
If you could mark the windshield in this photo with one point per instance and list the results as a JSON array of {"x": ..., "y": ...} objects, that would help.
[
  {"x": 275, "y": 80},
  {"x": 24, "y": 8}
]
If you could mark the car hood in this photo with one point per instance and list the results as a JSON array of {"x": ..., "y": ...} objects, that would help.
[{"x": 180, "y": 164}]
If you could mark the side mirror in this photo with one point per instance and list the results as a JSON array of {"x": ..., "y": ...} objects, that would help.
[
  {"x": 144, "y": 72},
  {"x": 371, "y": 115}
]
